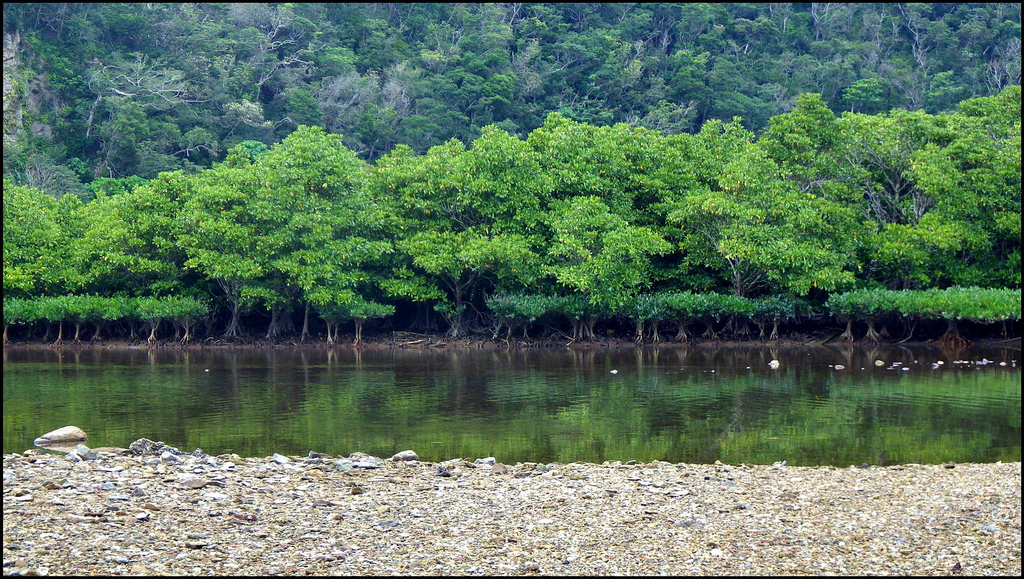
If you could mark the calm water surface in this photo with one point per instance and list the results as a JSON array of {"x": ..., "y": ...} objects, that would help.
[{"x": 696, "y": 404}]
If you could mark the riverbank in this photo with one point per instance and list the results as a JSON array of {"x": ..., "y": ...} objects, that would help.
[
  {"x": 406, "y": 340},
  {"x": 319, "y": 515}
]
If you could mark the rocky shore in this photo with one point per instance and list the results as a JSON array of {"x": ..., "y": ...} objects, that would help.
[{"x": 153, "y": 510}]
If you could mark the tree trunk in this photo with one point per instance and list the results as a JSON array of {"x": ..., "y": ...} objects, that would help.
[
  {"x": 272, "y": 329},
  {"x": 577, "y": 329},
  {"x": 872, "y": 335},
  {"x": 151, "y": 340},
  {"x": 234, "y": 294},
  {"x": 681, "y": 334},
  {"x": 188, "y": 332},
  {"x": 848, "y": 334},
  {"x": 60, "y": 334},
  {"x": 232, "y": 329},
  {"x": 709, "y": 333},
  {"x": 359, "y": 331},
  {"x": 952, "y": 336},
  {"x": 305, "y": 324}
]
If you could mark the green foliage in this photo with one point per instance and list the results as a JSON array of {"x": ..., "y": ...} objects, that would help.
[
  {"x": 519, "y": 309},
  {"x": 617, "y": 222},
  {"x": 135, "y": 89},
  {"x": 19, "y": 311},
  {"x": 598, "y": 253},
  {"x": 774, "y": 308},
  {"x": 987, "y": 305},
  {"x": 863, "y": 304},
  {"x": 962, "y": 303},
  {"x": 33, "y": 240},
  {"x": 356, "y": 309}
]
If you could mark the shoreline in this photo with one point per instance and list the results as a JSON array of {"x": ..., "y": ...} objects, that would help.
[
  {"x": 431, "y": 341},
  {"x": 320, "y": 515}
]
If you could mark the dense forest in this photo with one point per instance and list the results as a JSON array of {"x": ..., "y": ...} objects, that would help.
[
  {"x": 574, "y": 225},
  {"x": 275, "y": 171},
  {"x": 114, "y": 90}
]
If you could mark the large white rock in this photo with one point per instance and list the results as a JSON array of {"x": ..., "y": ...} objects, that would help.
[
  {"x": 405, "y": 455},
  {"x": 65, "y": 434}
]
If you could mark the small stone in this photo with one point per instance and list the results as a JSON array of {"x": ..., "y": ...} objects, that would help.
[
  {"x": 193, "y": 482},
  {"x": 280, "y": 459},
  {"x": 82, "y": 519},
  {"x": 168, "y": 457},
  {"x": 344, "y": 465},
  {"x": 360, "y": 460},
  {"x": 85, "y": 452},
  {"x": 489, "y": 461},
  {"x": 145, "y": 446},
  {"x": 689, "y": 523},
  {"x": 499, "y": 469}
]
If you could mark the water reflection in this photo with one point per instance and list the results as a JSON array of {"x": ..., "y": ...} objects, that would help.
[{"x": 822, "y": 405}]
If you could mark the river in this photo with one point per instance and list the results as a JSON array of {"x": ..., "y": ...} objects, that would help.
[{"x": 838, "y": 405}]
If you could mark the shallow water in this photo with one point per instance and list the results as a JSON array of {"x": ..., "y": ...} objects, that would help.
[{"x": 690, "y": 404}]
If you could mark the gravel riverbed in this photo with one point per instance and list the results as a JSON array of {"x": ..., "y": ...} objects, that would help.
[{"x": 182, "y": 514}]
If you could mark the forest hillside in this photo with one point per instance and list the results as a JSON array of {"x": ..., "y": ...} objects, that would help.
[{"x": 112, "y": 90}]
